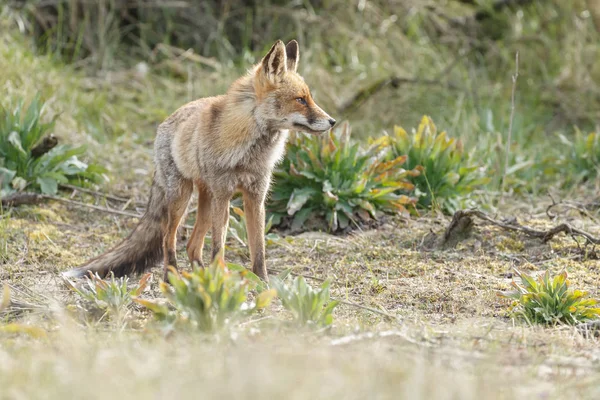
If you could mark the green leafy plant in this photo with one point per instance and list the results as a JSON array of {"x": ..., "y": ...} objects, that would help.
[
  {"x": 309, "y": 306},
  {"x": 447, "y": 172},
  {"x": 582, "y": 156},
  {"x": 237, "y": 227},
  {"x": 208, "y": 299},
  {"x": 21, "y": 164},
  {"x": 550, "y": 301},
  {"x": 111, "y": 296},
  {"x": 330, "y": 177}
]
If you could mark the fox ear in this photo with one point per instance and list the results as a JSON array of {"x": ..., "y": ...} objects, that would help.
[
  {"x": 274, "y": 63},
  {"x": 293, "y": 55}
]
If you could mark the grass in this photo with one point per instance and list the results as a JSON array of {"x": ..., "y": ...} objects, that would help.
[
  {"x": 451, "y": 327},
  {"x": 551, "y": 301},
  {"x": 287, "y": 368},
  {"x": 450, "y": 336},
  {"x": 471, "y": 95},
  {"x": 310, "y": 306}
]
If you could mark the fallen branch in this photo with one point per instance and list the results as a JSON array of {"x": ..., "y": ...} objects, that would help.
[
  {"x": 467, "y": 215},
  {"x": 96, "y": 193},
  {"x": 17, "y": 199},
  {"x": 92, "y": 206},
  {"x": 23, "y": 198},
  {"x": 582, "y": 208},
  {"x": 364, "y": 94}
]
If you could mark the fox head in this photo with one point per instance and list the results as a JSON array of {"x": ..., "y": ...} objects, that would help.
[{"x": 284, "y": 99}]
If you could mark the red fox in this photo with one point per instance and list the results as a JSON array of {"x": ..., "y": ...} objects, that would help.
[{"x": 220, "y": 145}]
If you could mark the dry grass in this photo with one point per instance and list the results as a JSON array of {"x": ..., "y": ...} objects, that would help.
[
  {"x": 380, "y": 367},
  {"x": 450, "y": 327}
]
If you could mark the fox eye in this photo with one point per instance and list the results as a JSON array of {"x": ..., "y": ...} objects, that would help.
[{"x": 301, "y": 100}]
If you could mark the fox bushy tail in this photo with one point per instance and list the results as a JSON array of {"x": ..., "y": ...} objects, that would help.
[{"x": 140, "y": 251}]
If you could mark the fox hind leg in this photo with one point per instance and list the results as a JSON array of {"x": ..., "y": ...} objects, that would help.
[
  {"x": 220, "y": 222},
  {"x": 202, "y": 225},
  {"x": 178, "y": 198}
]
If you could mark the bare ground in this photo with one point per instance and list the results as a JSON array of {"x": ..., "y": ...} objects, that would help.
[{"x": 426, "y": 322}]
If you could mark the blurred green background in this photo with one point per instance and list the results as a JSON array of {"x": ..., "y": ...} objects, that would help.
[{"x": 117, "y": 67}]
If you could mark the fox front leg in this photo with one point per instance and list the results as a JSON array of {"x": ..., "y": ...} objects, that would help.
[{"x": 254, "y": 209}]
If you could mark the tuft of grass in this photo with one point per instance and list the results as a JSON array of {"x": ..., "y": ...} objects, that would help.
[
  {"x": 332, "y": 178},
  {"x": 207, "y": 299},
  {"x": 112, "y": 296},
  {"x": 22, "y": 166},
  {"x": 15, "y": 328},
  {"x": 103, "y": 34},
  {"x": 448, "y": 173},
  {"x": 550, "y": 301},
  {"x": 580, "y": 156},
  {"x": 309, "y": 306}
]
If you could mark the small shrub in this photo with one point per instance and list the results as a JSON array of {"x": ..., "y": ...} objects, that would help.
[
  {"x": 21, "y": 168},
  {"x": 111, "y": 296},
  {"x": 550, "y": 301},
  {"x": 207, "y": 299},
  {"x": 581, "y": 156},
  {"x": 447, "y": 172},
  {"x": 330, "y": 177},
  {"x": 309, "y": 306}
]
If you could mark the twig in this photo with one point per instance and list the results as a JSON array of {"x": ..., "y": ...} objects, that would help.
[
  {"x": 510, "y": 124},
  {"x": 103, "y": 209},
  {"x": 92, "y": 206},
  {"x": 254, "y": 321},
  {"x": 544, "y": 235},
  {"x": 34, "y": 198},
  {"x": 373, "y": 310},
  {"x": 581, "y": 208},
  {"x": 297, "y": 274},
  {"x": 97, "y": 193}
]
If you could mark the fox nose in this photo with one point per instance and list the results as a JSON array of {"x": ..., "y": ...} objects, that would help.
[{"x": 332, "y": 122}]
